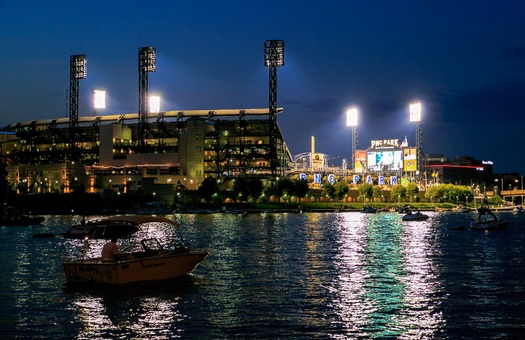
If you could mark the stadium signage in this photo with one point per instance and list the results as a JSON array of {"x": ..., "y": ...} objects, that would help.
[{"x": 384, "y": 142}]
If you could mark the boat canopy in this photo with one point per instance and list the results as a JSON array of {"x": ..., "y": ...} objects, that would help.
[{"x": 139, "y": 219}]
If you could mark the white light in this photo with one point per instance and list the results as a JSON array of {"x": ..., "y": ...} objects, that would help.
[
  {"x": 351, "y": 117},
  {"x": 154, "y": 104},
  {"x": 415, "y": 112},
  {"x": 99, "y": 99}
]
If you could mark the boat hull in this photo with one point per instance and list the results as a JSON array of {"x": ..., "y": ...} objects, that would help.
[{"x": 134, "y": 269}]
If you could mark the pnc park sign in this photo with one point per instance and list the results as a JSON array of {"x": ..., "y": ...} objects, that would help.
[{"x": 381, "y": 180}]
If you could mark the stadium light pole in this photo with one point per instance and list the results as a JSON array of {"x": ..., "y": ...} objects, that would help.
[
  {"x": 273, "y": 58},
  {"x": 147, "y": 63},
  {"x": 415, "y": 111},
  {"x": 351, "y": 121}
]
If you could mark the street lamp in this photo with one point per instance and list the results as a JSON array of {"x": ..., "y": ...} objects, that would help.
[{"x": 351, "y": 121}]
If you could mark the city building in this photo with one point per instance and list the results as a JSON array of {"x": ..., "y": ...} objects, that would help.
[{"x": 181, "y": 149}]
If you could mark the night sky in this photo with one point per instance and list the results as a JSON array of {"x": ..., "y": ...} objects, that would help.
[{"x": 464, "y": 60}]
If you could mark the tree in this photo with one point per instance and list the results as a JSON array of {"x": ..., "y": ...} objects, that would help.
[
  {"x": 412, "y": 190},
  {"x": 255, "y": 188},
  {"x": 208, "y": 188},
  {"x": 301, "y": 188},
  {"x": 366, "y": 190},
  {"x": 241, "y": 188},
  {"x": 328, "y": 190},
  {"x": 398, "y": 192},
  {"x": 285, "y": 188},
  {"x": 340, "y": 189}
]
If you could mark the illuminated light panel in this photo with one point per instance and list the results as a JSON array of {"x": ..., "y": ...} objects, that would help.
[
  {"x": 99, "y": 99},
  {"x": 415, "y": 112},
  {"x": 351, "y": 117},
  {"x": 274, "y": 53},
  {"x": 154, "y": 104}
]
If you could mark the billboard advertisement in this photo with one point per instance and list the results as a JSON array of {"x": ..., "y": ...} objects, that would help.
[
  {"x": 410, "y": 159},
  {"x": 379, "y": 160},
  {"x": 317, "y": 162},
  {"x": 360, "y": 160}
]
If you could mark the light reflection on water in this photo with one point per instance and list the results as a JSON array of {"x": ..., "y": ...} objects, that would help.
[{"x": 314, "y": 275}]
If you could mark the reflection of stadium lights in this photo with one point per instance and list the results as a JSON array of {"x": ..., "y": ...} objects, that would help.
[
  {"x": 415, "y": 112},
  {"x": 351, "y": 117},
  {"x": 154, "y": 104},
  {"x": 99, "y": 99}
]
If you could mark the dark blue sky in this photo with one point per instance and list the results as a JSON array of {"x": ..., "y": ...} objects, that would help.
[{"x": 465, "y": 60}]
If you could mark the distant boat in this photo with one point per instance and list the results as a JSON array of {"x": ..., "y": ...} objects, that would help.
[
  {"x": 415, "y": 216},
  {"x": 518, "y": 209},
  {"x": 486, "y": 220},
  {"x": 118, "y": 226},
  {"x": 12, "y": 217},
  {"x": 369, "y": 210}
]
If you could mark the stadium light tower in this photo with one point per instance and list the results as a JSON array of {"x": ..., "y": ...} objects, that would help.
[
  {"x": 351, "y": 121},
  {"x": 99, "y": 100},
  {"x": 273, "y": 58},
  {"x": 416, "y": 116},
  {"x": 147, "y": 63},
  {"x": 77, "y": 71}
]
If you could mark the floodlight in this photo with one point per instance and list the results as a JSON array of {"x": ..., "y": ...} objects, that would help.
[
  {"x": 99, "y": 99},
  {"x": 154, "y": 104},
  {"x": 148, "y": 59},
  {"x": 273, "y": 53},
  {"x": 78, "y": 66},
  {"x": 415, "y": 112},
  {"x": 351, "y": 117}
]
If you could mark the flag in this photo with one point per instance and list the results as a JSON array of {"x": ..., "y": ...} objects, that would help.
[{"x": 405, "y": 143}]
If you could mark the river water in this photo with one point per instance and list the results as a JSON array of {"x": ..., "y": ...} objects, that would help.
[{"x": 312, "y": 275}]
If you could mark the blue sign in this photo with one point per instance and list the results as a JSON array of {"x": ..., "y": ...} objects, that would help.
[
  {"x": 356, "y": 179},
  {"x": 393, "y": 180},
  {"x": 302, "y": 177},
  {"x": 369, "y": 179},
  {"x": 381, "y": 180},
  {"x": 317, "y": 178},
  {"x": 331, "y": 179}
]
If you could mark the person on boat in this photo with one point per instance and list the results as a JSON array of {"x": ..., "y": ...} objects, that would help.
[{"x": 110, "y": 249}]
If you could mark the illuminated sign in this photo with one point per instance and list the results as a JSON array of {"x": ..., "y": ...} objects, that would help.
[
  {"x": 369, "y": 179},
  {"x": 331, "y": 179},
  {"x": 302, "y": 177},
  {"x": 487, "y": 162},
  {"x": 384, "y": 142},
  {"x": 387, "y": 159},
  {"x": 381, "y": 180},
  {"x": 393, "y": 180},
  {"x": 317, "y": 178},
  {"x": 356, "y": 179}
]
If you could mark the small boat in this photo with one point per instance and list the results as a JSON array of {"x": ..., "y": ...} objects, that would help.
[
  {"x": 118, "y": 226},
  {"x": 369, "y": 210},
  {"x": 461, "y": 209},
  {"x": 486, "y": 220},
  {"x": 518, "y": 209},
  {"x": 152, "y": 263},
  {"x": 415, "y": 216},
  {"x": 12, "y": 217},
  {"x": 148, "y": 261}
]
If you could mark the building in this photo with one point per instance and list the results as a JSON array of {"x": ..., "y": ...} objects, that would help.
[{"x": 181, "y": 149}]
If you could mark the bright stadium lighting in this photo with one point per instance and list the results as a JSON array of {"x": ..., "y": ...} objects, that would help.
[
  {"x": 99, "y": 99},
  {"x": 154, "y": 104},
  {"x": 351, "y": 117},
  {"x": 415, "y": 112}
]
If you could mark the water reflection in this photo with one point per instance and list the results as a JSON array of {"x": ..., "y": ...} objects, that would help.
[{"x": 387, "y": 282}]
